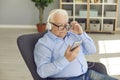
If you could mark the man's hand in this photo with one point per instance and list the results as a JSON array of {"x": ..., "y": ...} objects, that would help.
[
  {"x": 76, "y": 27},
  {"x": 71, "y": 55}
]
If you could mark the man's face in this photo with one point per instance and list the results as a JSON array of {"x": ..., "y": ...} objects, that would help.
[{"x": 59, "y": 23}]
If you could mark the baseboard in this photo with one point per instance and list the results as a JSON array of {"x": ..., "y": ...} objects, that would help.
[{"x": 19, "y": 26}]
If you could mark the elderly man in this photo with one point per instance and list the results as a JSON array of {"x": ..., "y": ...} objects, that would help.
[{"x": 54, "y": 57}]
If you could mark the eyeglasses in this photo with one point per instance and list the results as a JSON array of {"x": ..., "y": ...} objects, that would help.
[{"x": 62, "y": 27}]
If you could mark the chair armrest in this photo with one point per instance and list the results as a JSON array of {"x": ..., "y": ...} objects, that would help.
[{"x": 97, "y": 66}]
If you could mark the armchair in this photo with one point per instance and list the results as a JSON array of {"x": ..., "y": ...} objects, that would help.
[{"x": 26, "y": 45}]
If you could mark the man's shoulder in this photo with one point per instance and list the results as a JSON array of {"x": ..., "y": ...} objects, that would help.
[{"x": 46, "y": 40}]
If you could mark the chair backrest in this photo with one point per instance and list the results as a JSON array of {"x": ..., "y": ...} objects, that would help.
[{"x": 26, "y": 45}]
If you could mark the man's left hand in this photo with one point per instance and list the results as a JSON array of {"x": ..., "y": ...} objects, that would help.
[{"x": 76, "y": 27}]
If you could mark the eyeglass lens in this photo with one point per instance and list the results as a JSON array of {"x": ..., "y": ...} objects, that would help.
[
  {"x": 62, "y": 27},
  {"x": 67, "y": 27}
]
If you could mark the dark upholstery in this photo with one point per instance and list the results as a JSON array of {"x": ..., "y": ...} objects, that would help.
[
  {"x": 97, "y": 66},
  {"x": 26, "y": 45}
]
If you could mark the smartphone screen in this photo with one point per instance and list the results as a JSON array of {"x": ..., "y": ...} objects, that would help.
[{"x": 76, "y": 44}]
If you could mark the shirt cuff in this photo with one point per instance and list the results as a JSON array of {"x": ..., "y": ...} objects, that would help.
[{"x": 83, "y": 36}]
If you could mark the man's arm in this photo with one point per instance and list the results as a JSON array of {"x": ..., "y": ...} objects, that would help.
[{"x": 87, "y": 42}]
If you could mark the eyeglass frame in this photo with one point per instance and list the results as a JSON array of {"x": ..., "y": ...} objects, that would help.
[{"x": 68, "y": 26}]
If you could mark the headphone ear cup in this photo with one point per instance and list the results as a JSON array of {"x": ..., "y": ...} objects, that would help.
[{"x": 48, "y": 27}]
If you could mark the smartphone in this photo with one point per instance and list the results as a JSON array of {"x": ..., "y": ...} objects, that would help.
[{"x": 75, "y": 44}]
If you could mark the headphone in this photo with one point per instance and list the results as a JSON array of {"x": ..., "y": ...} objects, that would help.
[{"x": 49, "y": 26}]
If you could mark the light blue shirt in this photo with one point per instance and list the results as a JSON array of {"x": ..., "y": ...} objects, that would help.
[{"x": 49, "y": 55}]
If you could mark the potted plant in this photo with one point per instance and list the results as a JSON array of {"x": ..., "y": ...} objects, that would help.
[{"x": 41, "y": 4}]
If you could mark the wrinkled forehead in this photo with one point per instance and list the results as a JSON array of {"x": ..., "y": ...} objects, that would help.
[
  {"x": 59, "y": 15},
  {"x": 59, "y": 18}
]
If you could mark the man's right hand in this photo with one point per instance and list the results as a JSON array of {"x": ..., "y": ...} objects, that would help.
[{"x": 71, "y": 55}]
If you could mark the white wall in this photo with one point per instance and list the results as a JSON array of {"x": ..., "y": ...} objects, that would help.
[{"x": 21, "y": 12}]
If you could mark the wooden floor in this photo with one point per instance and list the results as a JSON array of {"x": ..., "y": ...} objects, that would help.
[{"x": 12, "y": 66}]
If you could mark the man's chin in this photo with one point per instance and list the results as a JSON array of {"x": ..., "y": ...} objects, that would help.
[{"x": 62, "y": 36}]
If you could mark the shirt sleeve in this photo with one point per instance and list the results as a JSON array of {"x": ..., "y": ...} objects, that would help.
[
  {"x": 45, "y": 66},
  {"x": 88, "y": 44}
]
